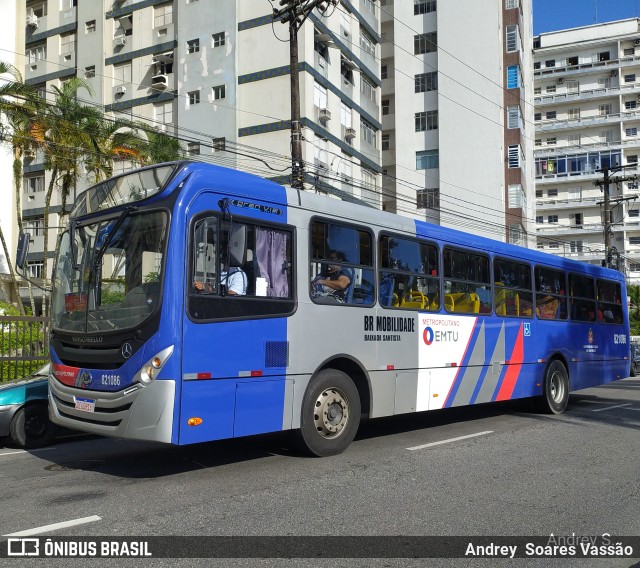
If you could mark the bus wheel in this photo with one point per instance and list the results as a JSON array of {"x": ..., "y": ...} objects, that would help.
[
  {"x": 556, "y": 389},
  {"x": 330, "y": 414}
]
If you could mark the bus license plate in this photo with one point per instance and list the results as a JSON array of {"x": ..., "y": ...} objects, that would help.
[{"x": 85, "y": 404}]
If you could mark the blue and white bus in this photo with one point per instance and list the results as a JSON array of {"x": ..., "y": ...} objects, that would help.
[{"x": 149, "y": 341}]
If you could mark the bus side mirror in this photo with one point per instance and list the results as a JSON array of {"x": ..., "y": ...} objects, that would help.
[{"x": 23, "y": 250}]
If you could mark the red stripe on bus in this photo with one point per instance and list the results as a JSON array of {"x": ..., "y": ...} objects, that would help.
[{"x": 513, "y": 370}]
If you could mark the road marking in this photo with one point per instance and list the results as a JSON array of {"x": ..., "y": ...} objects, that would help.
[
  {"x": 423, "y": 446},
  {"x": 25, "y": 451},
  {"x": 591, "y": 402},
  {"x": 56, "y": 526},
  {"x": 610, "y": 407}
]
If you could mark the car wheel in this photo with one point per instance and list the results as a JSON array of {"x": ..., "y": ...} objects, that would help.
[
  {"x": 330, "y": 414},
  {"x": 31, "y": 427}
]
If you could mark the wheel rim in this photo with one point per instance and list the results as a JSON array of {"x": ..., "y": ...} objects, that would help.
[
  {"x": 331, "y": 413},
  {"x": 35, "y": 427},
  {"x": 557, "y": 387}
]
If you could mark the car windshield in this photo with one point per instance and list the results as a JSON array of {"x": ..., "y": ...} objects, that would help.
[{"x": 109, "y": 279}]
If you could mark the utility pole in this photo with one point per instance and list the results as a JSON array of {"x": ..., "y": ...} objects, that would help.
[
  {"x": 607, "y": 217},
  {"x": 295, "y": 12}
]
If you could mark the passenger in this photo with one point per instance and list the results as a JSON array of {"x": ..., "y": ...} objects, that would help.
[
  {"x": 333, "y": 281},
  {"x": 547, "y": 307},
  {"x": 234, "y": 280}
]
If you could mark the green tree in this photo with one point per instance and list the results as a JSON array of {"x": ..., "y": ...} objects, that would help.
[{"x": 634, "y": 309}]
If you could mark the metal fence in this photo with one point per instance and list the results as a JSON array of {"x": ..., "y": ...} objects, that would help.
[{"x": 24, "y": 345}]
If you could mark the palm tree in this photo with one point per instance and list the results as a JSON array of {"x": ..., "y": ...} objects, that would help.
[
  {"x": 19, "y": 105},
  {"x": 634, "y": 309}
]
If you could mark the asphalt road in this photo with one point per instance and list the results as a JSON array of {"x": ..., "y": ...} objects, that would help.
[{"x": 490, "y": 470}]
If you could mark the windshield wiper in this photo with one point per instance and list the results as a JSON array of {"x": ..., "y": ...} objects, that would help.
[{"x": 109, "y": 236}]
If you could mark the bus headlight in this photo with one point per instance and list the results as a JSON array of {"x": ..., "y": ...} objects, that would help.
[{"x": 153, "y": 366}]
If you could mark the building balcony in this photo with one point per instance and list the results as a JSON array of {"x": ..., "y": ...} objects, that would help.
[
  {"x": 585, "y": 95},
  {"x": 584, "y": 229},
  {"x": 561, "y": 204},
  {"x": 628, "y": 143},
  {"x": 588, "y": 175},
  {"x": 612, "y": 65},
  {"x": 584, "y": 122},
  {"x": 386, "y": 12}
]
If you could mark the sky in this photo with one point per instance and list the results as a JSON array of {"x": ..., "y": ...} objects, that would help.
[{"x": 551, "y": 15}]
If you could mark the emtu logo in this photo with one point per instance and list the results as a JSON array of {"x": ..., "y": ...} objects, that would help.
[{"x": 427, "y": 335}]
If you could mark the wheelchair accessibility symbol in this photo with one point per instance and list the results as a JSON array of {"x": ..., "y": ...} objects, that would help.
[{"x": 527, "y": 330}]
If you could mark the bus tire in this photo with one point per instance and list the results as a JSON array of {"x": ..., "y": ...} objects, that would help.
[
  {"x": 330, "y": 414},
  {"x": 555, "y": 396}
]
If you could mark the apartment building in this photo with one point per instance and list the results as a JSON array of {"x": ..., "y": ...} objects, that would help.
[
  {"x": 587, "y": 116},
  {"x": 219, "y": 79},
  {"x": 457, "y": 114}
]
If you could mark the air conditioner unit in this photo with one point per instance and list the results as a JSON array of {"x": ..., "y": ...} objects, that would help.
[
  {"x": 159, "y": 81},
  {"x": 121, "y": 90},
  {"x": 613, "y": 73},
  {"x": 350, "y": 133},
  {"x": 119, "y": 41},
  {"x": 32, "y": 21},
  {"x": 325, "y": 114}
]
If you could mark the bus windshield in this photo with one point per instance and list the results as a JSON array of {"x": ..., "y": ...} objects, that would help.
[{"x": 113, "y": 283}]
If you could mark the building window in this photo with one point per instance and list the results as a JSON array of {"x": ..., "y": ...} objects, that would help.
[
  {"x": 426, "y": 82},
  {"x": 551, "y": 89},
  {"x": 550, "y": 63},
  {"x": 163, "y": 15},
  {"x": 573, "y": 86},
  {"x": 370, "y": 189},
  {"x": 604, "y": 110},
  {"x": 384, "y": 70},
  {"x": 571, "y": 61},
  {"x": 385, "y": 107},
  {"x": 423, "y": 7},
  {"x": 539, "y": 193},
  {"x": 426, "y": 120},
  {"x": 193, "y": 46},
  {"x": 632, "y": 159},
  {"x": 631, "y": 131},
  {"x": 37, "y": 8},
  {"x": 514, "y": 156},
  {"x": 386, "y": 142},
  {"x": 537, "y": 65},
  {"x": 219, "y": 92},
  {"x": 540, "y": 245},
  {"x": 513, "y": 77},
  {"x": 517, "y": 199},
  {"x": 550, "y": 115},
  {"x": 537, "y": 116},
  {"x": 631, "y": 78},
  {"x": 193, "y": 148},
  {"x": 36, "y": 53},
  {"x": 194, "y": 97},
  {"x": 427, "y": 160},
  {"x": 163, "y": 113},
  {"x": 576, "y": 246},
  {"x": 513, "y": 39},
  {"x": 428, "y": 198},
  {"x": 35, "y": 269},
  {"x": 90, "y": 72},
  {"x": 90, "y": 27},
  {"x": 552, "y": 192},
  {"x": 218, "y": 144},
  {"x": 35, "y": 227},
  {"x": 218, "y": 39},
  {"x": 516, "y": 237},
  {"x": 509, "y": 4},
  {"x": 367, "y": 88},
  {"x": 629, "y": 51},
  {"x": 577, "y": 220},
  {"x": 604, "y": 56},
  {"x": 539, "y": 219},
  {"x": 122, "y": 73},
  {"x": 630, "y": 105},
  {"x": 514, "y": 117},
  {"x": 634, "y": 240},
  {"x": 367, "y": 44},
  {"x": 554, "y": 244},
  {"x": 33, "y": 184},
  {"x": 425, "y": 43},
  {"x": 552, "y": 219},
  {"x": 537, "y": 142},
  {"x": 367, "y": 133},
  {"x": 634, "y": 212}
]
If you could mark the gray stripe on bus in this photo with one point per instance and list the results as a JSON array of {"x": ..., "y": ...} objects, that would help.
[
  {"x": 472, "y": 372},
  {"x": 491, "y": 379}
]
